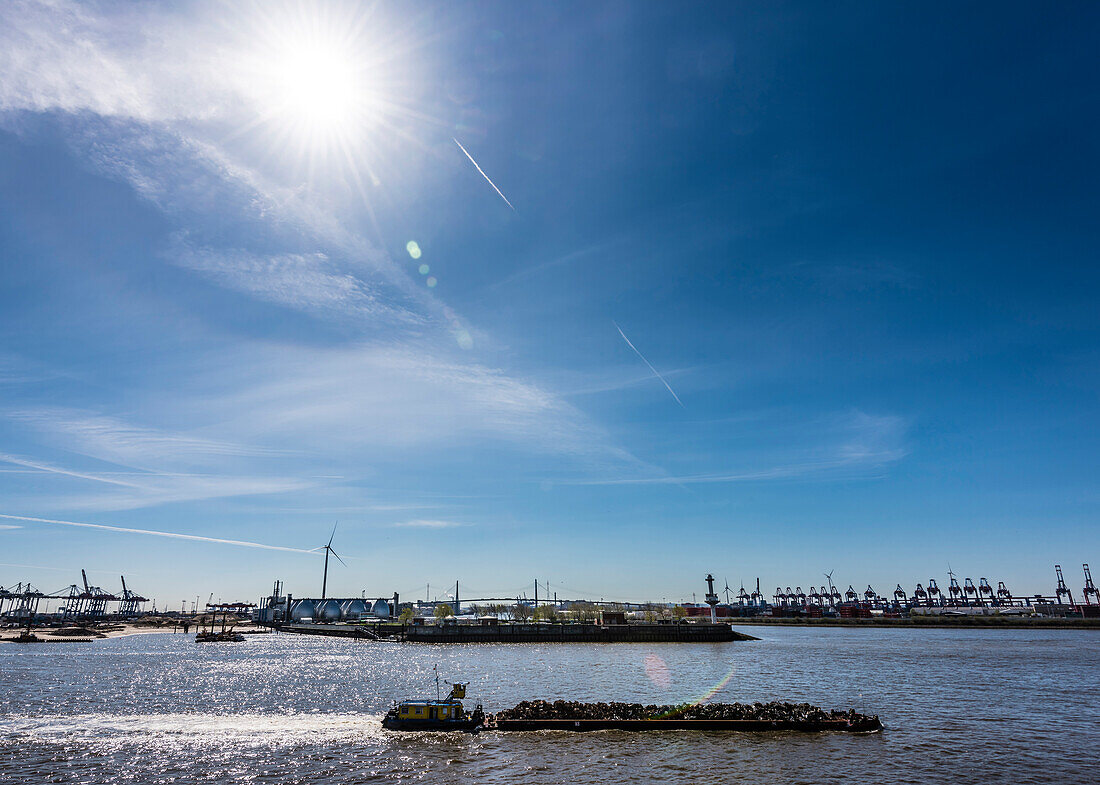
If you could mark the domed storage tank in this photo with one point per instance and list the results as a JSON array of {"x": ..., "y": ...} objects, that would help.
[
  {"x": 329, "y": 611},
  {"x": 381, "y": 609},
  {"x": 303, "y": 609},
  {"x": 353, "y": 610}
]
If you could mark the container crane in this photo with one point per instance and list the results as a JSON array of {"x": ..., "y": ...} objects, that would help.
[
  {"x": 935, "y": 596},
  {"x": 954, "y": 590},
  {"x": 870, "y": 595},
  {"x": 920, "y": 595},
  {"x": 743, "y": 597},
  {"x": 900, "y": 597},
  {"x": 985, "y": 591},
  {"x": 130, "y": 602},
  {"x": 1090, "y": 588},
  {"x": 1062, "y": 590},
  {"x": 971, "y": 592}
]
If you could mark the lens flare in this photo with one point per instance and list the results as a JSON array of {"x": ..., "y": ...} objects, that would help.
[
  {"x": 657, "y": 665},
  {"x": 657, "y": 671}
]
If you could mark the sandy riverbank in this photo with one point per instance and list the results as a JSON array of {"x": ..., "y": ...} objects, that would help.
[{"x": 118, "y": 630}]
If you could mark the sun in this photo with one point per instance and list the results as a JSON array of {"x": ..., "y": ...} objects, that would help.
[
  {"x": 321, "y": 86},
  {"x": 315, "y": 79},
  {"x": 320, "y": 90}
]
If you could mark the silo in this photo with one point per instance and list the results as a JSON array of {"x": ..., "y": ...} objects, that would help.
[
  {"x": 353, "y": 610},
  {"x": 303, "y": 609},
  {"x": 329, "y": 610},
  {"x": 381, "y": 609}
]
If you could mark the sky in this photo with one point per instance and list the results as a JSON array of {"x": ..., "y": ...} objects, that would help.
[{"x": 611, "y": 295}]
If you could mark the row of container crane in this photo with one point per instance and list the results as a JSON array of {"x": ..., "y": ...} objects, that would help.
[
  {"x": 82, "y": 601},
  {"x": 968, "y": 593}
]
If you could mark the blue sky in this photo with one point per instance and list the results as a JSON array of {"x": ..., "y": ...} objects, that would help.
[{"x": 857, "y": 241}]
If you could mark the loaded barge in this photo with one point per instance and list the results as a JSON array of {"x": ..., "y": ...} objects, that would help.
[
  {"x": 863, "y": 725},
  {"x": 450, "y": 715}
]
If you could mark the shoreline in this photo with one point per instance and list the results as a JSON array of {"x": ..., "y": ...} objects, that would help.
[
  {"x": 88, "y": 633},
  {"x": 972, "y": 622}
]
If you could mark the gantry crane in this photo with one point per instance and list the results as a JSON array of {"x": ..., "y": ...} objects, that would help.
[
  {"x": 935, "y": 596},
  {"x": 1090, "y": 588},
  {"x": 985, "y": 591},
  {"x": 1062, "y": 590}
]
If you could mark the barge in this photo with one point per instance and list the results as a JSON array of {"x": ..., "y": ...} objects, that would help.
[
  {"x": 862, "y": 725},
  {"x": 449, "y": 714}
]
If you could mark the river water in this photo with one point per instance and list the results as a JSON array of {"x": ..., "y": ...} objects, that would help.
[{"x": 960, "y": 706}]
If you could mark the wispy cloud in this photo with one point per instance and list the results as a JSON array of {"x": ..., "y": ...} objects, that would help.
[
  {"x": 305, "y": 282},
  {"x": 154, "y": 458},
  {"x": 421, "y": 523},
  {"x": 154, "y": 533},
  {"x": 49, "y": 468},
  {"x": 649, "y": 365},
  {"x": 860, "y": 443},
  {"x": 482, "y": 173},
  {"x": 118, "y": 441},
  {"x": 370, "y": 396},
  {"x": 8, "y": 527}
]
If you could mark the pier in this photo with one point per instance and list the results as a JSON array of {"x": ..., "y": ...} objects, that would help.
[{"x": 528, "y": 632}]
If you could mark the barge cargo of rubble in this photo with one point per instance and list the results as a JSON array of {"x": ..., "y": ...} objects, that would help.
[{"x": 775, "y": 716}]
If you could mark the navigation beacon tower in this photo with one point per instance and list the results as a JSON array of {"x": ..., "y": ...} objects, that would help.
[{"x": 712, "y": 599}]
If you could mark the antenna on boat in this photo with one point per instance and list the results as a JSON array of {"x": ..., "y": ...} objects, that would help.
[{"x": 436, "y": 669}]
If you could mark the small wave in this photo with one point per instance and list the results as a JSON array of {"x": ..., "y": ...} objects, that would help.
[{"x": 200, "y": 728}]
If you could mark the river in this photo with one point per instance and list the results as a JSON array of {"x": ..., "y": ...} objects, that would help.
[{"x": 960, "y": 706}]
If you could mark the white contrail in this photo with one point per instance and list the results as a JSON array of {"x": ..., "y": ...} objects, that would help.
[
  {"x": 174, "y": 535},
  {"x": 647, "y": 362},
  {"x": 490, "y": 182},
  {"x": 47, "y": 467}
]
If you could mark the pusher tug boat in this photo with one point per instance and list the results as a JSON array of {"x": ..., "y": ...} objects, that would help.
[{"x": 447, "y": 714}]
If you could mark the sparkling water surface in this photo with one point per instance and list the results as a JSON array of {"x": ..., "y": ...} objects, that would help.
[{"x": 960, "y": 706}]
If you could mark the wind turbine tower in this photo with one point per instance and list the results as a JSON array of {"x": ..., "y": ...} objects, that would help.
[{"x": 328, "y": 549}]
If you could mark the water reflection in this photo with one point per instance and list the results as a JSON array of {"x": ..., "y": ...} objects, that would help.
[{"x": 960, "y": 706}]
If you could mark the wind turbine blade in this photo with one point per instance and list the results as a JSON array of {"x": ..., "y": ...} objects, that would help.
[
  {"x": 334, "y": 553},
  {"x": 333, "y": 533}
]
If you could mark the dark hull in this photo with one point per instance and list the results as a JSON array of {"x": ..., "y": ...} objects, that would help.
[
  {"x": 467, "y": 725},
  {"x": 866, "y": 726}
]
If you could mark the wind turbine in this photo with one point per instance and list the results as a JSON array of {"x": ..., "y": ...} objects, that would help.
[
  {"x": 327, "y": 548},
  {"x": 829, "y": 576},
  {"x": 727, "y": 591}
]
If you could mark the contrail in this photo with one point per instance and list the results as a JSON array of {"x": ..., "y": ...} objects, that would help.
[
  {"x": 490, "y": 182},
  {"x": 647, "y": 362},
  {"x": 174, "y": 535}
]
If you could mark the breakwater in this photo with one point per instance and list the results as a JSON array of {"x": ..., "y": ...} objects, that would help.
[{"x": 530, "y": 633}]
